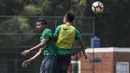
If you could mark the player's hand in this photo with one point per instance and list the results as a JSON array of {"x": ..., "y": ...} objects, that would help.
[
  {"x": 80, "y": 54},
  {"x": 24, "y": 53},
  {"x": 26, "y": 63},
  {"x": 85, "y": 56}
]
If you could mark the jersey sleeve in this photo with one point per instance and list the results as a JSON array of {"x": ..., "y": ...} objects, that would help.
[
  {"x": 47, "y": 34},
  {"x": 57, "y": 30},
  {"x": 77, "y": 35}
]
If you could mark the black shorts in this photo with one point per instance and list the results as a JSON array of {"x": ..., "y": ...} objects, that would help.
[{"x": 63, "y": 63}]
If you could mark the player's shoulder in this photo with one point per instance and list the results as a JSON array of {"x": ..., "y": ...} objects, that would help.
[
  {"x": 66, "y": 25},
  {"x": 47, "y": 29},
  {"x": 59, "y": 26},
  {"x": 73, "y": 26}
]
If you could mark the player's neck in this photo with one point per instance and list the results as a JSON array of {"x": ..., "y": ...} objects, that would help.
[
  {"x": 68, "y": 23},
  {"x": 43, "y": 29}
]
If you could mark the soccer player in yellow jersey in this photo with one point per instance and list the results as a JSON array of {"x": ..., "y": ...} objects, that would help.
[{"x": 65, "y": 35}]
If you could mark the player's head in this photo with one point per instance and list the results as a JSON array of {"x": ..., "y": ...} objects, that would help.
[
  {"x": 41, "y": 25},
  {"x": 68, "y": 18}
]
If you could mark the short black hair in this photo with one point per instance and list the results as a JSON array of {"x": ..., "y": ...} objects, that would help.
[
  {"x": 43, "y": 22},
  {"x": 69, "y": 16}
]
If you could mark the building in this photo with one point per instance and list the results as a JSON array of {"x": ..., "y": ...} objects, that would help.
[{"x": 102, "y": 60}]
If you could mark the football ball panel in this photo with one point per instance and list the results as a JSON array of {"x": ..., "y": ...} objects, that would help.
[
  {"x": 98, "y": 9},
  {"x": 95, "y": 4}
]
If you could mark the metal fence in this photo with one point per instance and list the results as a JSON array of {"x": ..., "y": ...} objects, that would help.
[{"x": 18, "y": 33}]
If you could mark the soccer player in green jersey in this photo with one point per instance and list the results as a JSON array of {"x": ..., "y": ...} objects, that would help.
[
  {"x": 65, "y": 35},
  {"x": 47, "y": 48}
]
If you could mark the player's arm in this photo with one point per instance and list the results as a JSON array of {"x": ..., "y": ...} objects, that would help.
[
  {"x": 56, "y": 33},
  {"x": 27, "y": 62},
  {"x": 80, "y": 41},
  {"x": 43, "y": 42}
]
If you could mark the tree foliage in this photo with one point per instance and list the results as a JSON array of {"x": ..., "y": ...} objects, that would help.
[{"x": 111, "y": 25}]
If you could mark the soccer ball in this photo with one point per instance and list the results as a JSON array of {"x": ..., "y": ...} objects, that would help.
[{"x": 97, "y": 7}]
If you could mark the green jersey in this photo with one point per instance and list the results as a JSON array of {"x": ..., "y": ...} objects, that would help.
[
  {"x": 65, "y": 50},
  {"x": 49, "y": 48}
]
